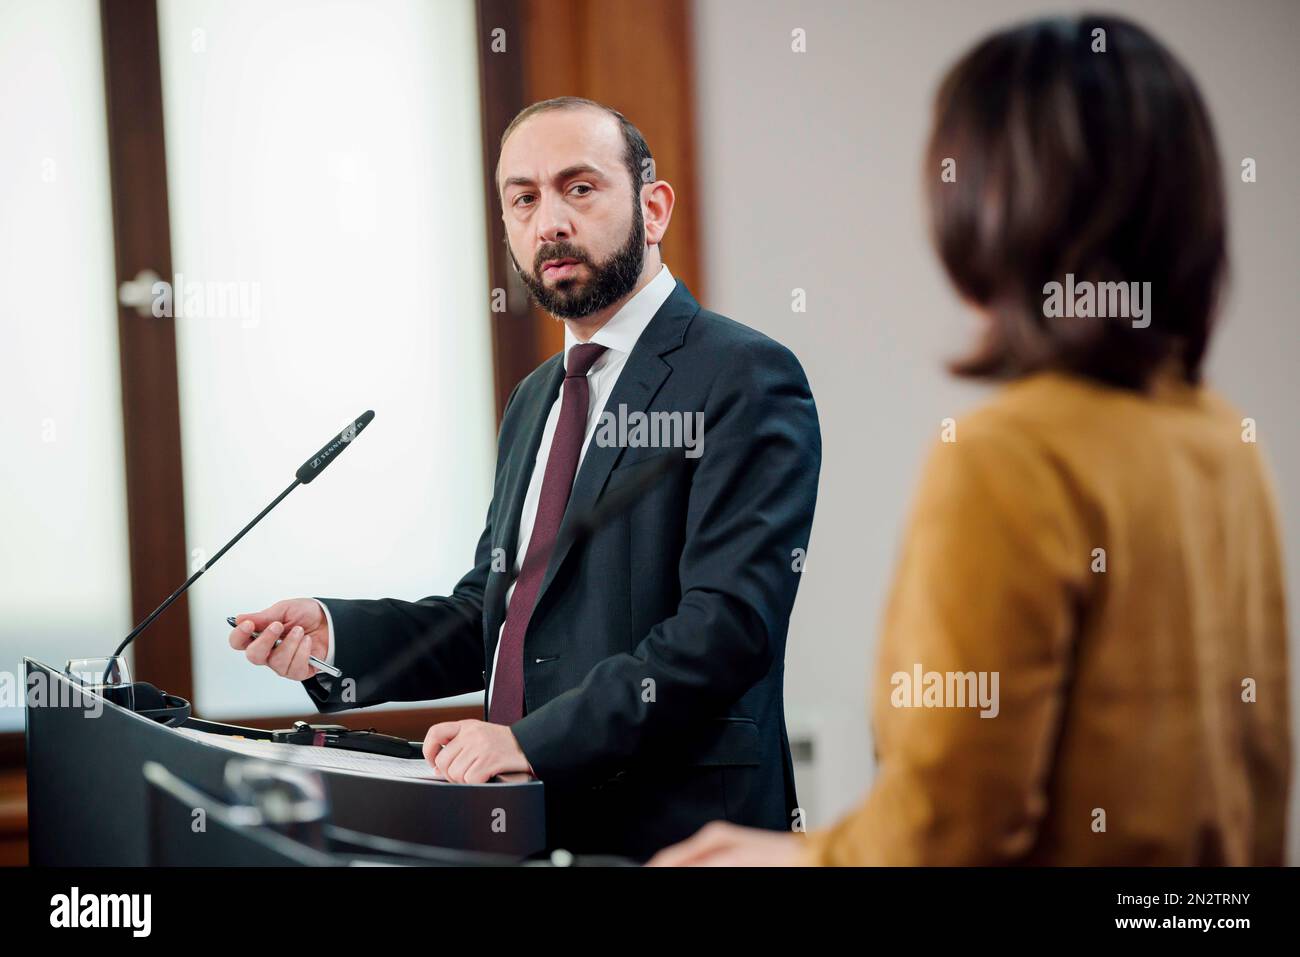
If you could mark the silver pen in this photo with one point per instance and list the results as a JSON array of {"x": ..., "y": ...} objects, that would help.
[{"x": 316, "y": 662}]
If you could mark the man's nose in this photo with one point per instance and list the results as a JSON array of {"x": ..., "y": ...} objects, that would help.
[{"x": 553, "y": 222}]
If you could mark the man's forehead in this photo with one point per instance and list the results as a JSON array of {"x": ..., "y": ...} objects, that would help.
[{"x": 546, "y": 143}]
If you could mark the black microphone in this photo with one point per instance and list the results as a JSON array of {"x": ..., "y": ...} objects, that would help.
[
  {"x": 305, "y": 474},
  {"x": 333, "y": 448}
]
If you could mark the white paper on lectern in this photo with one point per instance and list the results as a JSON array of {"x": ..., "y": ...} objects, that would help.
[{"x": 328, "y": 759}]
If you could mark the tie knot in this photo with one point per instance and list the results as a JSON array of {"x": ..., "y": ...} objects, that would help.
[{"x": 581, "y": 359}]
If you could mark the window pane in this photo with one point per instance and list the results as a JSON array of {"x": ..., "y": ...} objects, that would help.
[
  {"x": 329, "y": 242},
  {"x": 63, "y": 561}
]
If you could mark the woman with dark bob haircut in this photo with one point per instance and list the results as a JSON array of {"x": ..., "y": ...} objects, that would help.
[{"x": 1083, "y": 658}]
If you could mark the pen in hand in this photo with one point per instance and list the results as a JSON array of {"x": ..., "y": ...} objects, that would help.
[{"x": 315, "y": 662}]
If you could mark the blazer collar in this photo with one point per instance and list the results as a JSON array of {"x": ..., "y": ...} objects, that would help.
[{"x": 638, "y": 383}]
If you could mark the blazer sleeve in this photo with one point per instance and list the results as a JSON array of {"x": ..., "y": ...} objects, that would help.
[
  {"x": 750, "y": 506},
  {"x": 989, "y": 581}
]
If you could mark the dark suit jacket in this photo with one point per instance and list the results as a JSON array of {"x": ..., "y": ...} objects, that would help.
[{"x": 654, "y": 658}]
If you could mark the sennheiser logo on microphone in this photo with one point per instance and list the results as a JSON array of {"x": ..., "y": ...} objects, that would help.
[
  {"x": 317, "y": 463},
  {"x": 334, "y": 446}
]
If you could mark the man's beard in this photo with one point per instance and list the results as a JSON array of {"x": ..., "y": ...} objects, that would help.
[{"x": 609, "y": 281}]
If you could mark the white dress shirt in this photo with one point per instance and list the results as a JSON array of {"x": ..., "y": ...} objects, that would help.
[{"x": 619, "y": 335}]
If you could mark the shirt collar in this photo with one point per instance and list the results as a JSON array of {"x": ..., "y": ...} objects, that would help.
[{"x": 624, "y": 328}]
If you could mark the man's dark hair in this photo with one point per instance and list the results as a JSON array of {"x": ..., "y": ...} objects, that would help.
[
  {"x": 636, "y": 153},
  {"x": 1074, "y": 160}
]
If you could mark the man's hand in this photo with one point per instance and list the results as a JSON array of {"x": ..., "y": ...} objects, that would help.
[
  {"x": 721, "y": 844},
  {"x": 302, "y": 625},
  {"x": 473, "y": 752}
]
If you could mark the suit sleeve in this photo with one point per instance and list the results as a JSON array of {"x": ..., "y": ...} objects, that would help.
[
  {"x": 989, "y": 582},
  {"x": 750, "y": 506},
  {"x": 394, "y": 650}
]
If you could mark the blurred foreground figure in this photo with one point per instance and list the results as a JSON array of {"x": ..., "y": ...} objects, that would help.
[{"x": 1084, "y": 655}]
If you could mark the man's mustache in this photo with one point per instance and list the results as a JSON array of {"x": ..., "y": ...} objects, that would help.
[{"x": 558, "y": 252}]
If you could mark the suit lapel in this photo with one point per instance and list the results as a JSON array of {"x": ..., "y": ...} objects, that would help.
[{"x": 638, "y": 383}]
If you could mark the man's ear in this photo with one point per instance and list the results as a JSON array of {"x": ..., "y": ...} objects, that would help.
[{"x": 657, "y": 200}]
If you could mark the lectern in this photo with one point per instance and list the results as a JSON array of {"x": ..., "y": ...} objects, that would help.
[{"x": 88, "y": 802}]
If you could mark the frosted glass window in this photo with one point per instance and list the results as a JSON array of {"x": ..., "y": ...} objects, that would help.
[
  {"x": 325, "y": 184},
  {"x": 64, "y": 576}
]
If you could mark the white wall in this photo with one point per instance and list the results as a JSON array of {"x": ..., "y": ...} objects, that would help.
[{"x": 810, "y": 179}]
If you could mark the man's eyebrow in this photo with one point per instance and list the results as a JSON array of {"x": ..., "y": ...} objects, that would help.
[{"x": 567, "y": 173}]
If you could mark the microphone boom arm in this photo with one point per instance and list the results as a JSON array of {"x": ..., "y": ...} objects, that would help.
[{"x": 199, "y": 574}]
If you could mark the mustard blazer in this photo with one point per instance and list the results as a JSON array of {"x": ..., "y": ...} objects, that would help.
[{"x": 1113, "y": 558}]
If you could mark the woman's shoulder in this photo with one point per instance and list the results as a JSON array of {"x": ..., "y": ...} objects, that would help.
[
  {"x": 1055, "y": 429},
  {"x": 1058, "y": 405}
]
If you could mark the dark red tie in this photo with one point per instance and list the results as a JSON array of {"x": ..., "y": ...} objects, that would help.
[{"x": 507, "y": 704}]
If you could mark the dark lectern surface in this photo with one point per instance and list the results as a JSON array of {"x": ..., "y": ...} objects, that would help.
[{"x": 87, "y": 796}]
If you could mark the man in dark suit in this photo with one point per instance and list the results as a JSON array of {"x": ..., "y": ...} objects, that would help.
[{"x": 631, "y": 591}]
